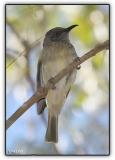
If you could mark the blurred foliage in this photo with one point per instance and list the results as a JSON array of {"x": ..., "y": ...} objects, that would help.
[
  {"x": 97, "y": 61},
  {"x": 81, "y": 97},
  {"x": 86, "y": 109}
]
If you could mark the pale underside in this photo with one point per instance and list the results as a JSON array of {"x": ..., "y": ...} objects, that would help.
[{"x": 62, "y": 55}]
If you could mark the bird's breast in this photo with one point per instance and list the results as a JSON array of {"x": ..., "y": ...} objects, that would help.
[{"x": 56, "y": 58}]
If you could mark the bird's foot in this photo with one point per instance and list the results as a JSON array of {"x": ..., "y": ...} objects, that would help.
[
  {"x": 51, "y": 81},
  {"x": 41, "y": 90},
  {"x": 78, "y": 60}
]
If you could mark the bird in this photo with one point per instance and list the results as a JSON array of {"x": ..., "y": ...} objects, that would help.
[{"x": 57, "y": 53}]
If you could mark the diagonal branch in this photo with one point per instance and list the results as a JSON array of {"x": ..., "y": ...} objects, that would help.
[{"x": 42, "y": 92}]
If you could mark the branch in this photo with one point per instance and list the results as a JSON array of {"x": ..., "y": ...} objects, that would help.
[
  {"x": 24, "y": 43},
  {"x": 42, "y": 91}
]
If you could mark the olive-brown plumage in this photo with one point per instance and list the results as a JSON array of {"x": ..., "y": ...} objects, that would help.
[{"x": 57, "y": 53}]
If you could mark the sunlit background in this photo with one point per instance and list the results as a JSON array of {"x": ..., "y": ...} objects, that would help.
[{"x": 84, "y": 120}]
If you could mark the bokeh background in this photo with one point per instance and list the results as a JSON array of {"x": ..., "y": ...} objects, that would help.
[{"x": 84, "y": 120}]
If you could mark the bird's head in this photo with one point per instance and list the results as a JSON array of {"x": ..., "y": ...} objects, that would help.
[{"x": 58, "y": 34}]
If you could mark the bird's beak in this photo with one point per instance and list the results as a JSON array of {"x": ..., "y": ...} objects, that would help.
[{"x": 71, "y": 27}]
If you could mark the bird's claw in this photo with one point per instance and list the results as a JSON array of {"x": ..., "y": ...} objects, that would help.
[
  {"x": 51, "y": 81},
  {"x": 78, "y": 59}
]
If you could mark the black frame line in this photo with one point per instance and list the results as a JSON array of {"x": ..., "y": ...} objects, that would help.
[{"x": 90, "y": 155}]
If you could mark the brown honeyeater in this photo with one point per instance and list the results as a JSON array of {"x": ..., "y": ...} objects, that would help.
[{"x": 57, "y": 53}]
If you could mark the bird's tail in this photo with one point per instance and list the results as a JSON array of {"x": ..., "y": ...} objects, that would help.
[{"x": 52, "y": 130}]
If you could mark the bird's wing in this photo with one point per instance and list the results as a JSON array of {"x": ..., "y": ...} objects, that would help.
[
  {"x": 70, "y": 80},
  {"x": 41, "y": 104},
  {"x": 39, "y": 74}
]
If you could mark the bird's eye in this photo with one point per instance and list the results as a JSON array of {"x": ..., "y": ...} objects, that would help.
[{"x": 58, "y": 33}]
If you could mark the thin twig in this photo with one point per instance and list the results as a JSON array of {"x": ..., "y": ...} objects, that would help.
[
  {"x": 42, "y": 91},
  {"x": 23, "y": 42}
]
